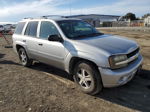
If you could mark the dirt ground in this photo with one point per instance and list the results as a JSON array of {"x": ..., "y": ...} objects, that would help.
[{"x": 42, "y": 88}]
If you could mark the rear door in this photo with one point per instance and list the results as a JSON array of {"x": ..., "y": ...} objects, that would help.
[{"x": 31, "y": 39}]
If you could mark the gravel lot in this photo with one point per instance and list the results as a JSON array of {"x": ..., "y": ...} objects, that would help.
[{"x": 42, "y": 88}]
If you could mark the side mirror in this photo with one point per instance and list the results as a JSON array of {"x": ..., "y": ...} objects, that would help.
[{"x": 55, "y": 38}]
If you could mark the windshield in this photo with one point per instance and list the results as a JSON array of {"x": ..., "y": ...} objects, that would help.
[{"x": 75, "y": 29}]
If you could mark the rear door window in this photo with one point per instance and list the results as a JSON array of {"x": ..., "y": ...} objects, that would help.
[
  {"x": 19, "y": 28},
  {"x": 31, "y": 29}
]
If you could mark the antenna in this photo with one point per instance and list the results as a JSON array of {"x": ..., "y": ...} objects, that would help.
[{"x": 70, "y": 7}]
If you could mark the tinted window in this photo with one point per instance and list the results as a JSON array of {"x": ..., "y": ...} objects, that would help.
[
  {"x": 27, "y": 29},
  {"x": 31, "y": 29},
  {"x": 19, "y": 28},
  {"x": 75, "y": 29},
  {"x": 47, "y": 29}
]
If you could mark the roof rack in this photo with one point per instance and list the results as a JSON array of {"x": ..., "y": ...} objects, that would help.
[
  {"x": 53, "y": 16},
  {"x": 47, "y": 17},
  {"x": 28, "y": 18}
]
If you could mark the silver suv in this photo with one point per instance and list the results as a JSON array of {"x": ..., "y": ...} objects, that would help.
[{"x": 94, "y": 59}]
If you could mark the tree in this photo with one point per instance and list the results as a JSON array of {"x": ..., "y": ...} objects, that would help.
[{"x": 130, "y": 16}]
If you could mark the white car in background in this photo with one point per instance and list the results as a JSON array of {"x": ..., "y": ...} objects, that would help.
[
  {"x": 1, "y": 28},
  {"x": 7, "y": 28}
]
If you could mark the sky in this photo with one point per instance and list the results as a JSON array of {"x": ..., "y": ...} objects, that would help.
[{"x": 15, "y": 10}]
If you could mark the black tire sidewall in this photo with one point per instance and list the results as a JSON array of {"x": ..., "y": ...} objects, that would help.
[
  {"x": 28, "y": 62},
  {"x": 96, "y": 79}
]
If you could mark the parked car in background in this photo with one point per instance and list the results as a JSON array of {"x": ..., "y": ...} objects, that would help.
[
  {"x": 7, "y": 28},
  {"x": 1, "y": 28},
  {"x": 94, "y": 59}
]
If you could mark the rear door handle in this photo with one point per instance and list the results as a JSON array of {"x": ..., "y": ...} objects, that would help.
[{"x": 40, "y": 44}]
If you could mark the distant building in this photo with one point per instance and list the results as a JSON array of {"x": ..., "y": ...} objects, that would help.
[
  {"x": 97, "y": 20},
  {"x": 147, "y": 21}
]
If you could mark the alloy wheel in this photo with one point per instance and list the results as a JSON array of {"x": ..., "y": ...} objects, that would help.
[{"x": 84, "y": 78}]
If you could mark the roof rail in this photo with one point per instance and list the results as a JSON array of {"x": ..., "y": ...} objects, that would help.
[
  {"x": 52, "y": 16},
  {"x": 28, "y": 18},
  {"x": 48, "y": 17}
]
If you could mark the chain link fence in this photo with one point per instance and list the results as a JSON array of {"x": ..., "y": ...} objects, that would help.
[{"x": 135, "y": 23}]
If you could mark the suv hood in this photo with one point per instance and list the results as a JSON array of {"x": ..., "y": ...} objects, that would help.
[{"x": 111, "y": 44}]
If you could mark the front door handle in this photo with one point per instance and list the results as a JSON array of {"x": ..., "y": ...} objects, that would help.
[
  {"x": 40, "y": 44},
  {"x": 24, "y": 40}
]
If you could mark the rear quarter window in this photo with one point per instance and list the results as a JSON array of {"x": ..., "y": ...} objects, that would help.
[{"x": 19, "y": 28}]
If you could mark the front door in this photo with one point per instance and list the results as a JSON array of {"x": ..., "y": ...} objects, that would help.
[{"x": 50, "y": 52}]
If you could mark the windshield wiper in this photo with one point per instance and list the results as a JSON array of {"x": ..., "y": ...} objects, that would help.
[
  {"x": 95, "y": 34},
  {"x": 81, "y": 36},
  {"x": 89, "y": 35}
]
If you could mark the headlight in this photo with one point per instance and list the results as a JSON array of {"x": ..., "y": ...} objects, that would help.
[{"x": 118, "y": 61}]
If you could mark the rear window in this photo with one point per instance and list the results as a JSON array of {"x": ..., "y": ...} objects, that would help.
[
  {"x": 31, "y": 29},
  {"x": 19, "y": 28}
]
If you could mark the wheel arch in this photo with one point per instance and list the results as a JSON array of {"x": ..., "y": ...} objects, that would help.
[
  {"x": 75, "y": 60},
  {"x": 18, "y": 47}
]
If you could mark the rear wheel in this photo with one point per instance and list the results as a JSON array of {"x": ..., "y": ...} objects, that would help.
[
  {"x": 88, "y": 78},
  {"x": 25, "y": 61}
]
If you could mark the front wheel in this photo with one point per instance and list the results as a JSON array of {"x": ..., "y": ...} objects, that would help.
[
  {"x": 88, "y": 78},
  {"x": 25, "y": 61}
]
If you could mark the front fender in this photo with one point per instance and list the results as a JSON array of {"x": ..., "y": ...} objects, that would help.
[{"x": 99, "y": 60}]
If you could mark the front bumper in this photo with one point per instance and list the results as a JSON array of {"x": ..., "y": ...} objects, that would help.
[{"x": 113, "y": 78}]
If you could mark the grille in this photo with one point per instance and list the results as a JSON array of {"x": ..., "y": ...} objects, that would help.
[{"x": 133, "y": 53}]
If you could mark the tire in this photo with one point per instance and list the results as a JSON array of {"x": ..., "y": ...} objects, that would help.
[
  {"x": 24, "y": 59},
  {"x": 88, "y": 78}
]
